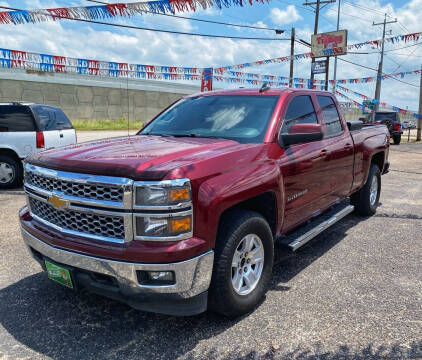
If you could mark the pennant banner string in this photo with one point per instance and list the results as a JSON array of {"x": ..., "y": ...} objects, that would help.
[
  {"x": 381, "y": 103},
  {"x": 106, "y": 11},
  {"x": 393, "y": 40},
  {"x": 55, "y": 63}
]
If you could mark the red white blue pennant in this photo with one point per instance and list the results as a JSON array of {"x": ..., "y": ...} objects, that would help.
[{"x": 98, "y": 12}]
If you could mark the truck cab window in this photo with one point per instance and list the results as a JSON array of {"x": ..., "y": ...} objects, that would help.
[
  {"x": 300, "y": 111},
  {"x": 331, "y": 116}
]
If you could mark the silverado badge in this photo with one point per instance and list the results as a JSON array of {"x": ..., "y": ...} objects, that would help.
[{"x": 57, "y": 202}]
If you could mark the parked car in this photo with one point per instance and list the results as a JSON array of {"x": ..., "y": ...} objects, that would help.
[
  {"x": 26, "y": 128},
  {"x": 391, "y": 119},
  {"x": 183, "y": 216},
  {"x": 409, "y": 124}
]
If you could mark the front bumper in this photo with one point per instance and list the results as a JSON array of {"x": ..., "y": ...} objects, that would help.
[{"x": 188, "y": 296}]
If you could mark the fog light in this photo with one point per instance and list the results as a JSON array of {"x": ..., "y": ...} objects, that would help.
[{"x": 156, "y": 277}]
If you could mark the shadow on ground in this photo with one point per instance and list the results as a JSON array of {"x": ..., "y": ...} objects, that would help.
[{"x": 61, "y": 324}]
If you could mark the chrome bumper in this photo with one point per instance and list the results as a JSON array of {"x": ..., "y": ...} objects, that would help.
[{"x": 192, "y": 276}]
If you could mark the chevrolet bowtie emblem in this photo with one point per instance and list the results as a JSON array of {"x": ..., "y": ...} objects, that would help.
[{"x": 57, "y": 202}]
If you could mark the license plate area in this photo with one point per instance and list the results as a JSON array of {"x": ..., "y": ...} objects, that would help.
[{"x": 59, "y": 274}]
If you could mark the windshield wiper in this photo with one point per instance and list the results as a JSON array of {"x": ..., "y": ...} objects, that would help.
[
  {"x": 193, "y": 135},
  {"x": 198, "y": 136},
  {"x": 149, "y": 133}
]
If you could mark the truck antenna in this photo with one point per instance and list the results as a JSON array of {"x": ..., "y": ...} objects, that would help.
[{"x": 264, "y": 87}]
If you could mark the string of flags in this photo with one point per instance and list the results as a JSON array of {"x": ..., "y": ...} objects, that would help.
[
  {"x": 354, "y": 102},
  {"x": 236, "y": 80},
  {"x": 393, "y": 40},
  {"x": 61, "y": 64},
  {"x": 381, "y": 103},
  {"x": 106, "y": 11}
]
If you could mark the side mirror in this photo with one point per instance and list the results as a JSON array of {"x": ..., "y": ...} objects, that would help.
[
  {"x": 354, "y": 125},
  {"x": 301, "y": 133}
]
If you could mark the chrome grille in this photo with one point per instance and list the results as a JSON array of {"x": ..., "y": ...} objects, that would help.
[
  {"x": 81, "y": 190},
  {"x": 83, "y": 222}
]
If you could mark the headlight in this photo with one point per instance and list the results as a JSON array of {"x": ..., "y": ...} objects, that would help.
[
  {"x": 163, "y": 210},
  {"x": 164, "y": 193},
  {"x": 158, "y": 226}
]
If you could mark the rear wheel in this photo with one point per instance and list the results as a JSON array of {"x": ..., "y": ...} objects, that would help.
[
  {"x": 10, "y": 172},
  {"x": 366, "y": 199},
  {"x": 243, "y": 263},
  {"x": 397, "y": 139}
]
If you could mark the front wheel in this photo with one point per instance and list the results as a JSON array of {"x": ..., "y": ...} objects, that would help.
[
  {"x": 366, "y": 199},
  {"x": 243, "y": 263}
]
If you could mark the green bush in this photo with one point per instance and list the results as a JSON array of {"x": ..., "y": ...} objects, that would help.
[{"x": 120, "y": 124}]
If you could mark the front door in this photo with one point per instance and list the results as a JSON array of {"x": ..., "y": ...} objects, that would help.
[{"x": 303, "y": 167}]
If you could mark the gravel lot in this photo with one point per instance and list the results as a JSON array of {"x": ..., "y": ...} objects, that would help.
[{"x": 354, "y": 292}]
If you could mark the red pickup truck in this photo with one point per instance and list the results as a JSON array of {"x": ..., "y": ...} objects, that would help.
[{"x": 183, "y": 216}]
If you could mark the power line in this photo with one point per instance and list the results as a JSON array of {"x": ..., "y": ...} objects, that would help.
[
  {"x": 160, "y": 30},
  {"x": 367, "y": 67},
  {"x": 376, "y": 12},
  {"x": 200, "y": 20}
]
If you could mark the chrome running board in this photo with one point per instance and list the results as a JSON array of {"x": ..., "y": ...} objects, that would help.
[{"x": 307, "y": 232}]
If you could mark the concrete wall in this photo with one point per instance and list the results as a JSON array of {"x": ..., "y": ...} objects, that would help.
[{"x": 90, "y": 98}]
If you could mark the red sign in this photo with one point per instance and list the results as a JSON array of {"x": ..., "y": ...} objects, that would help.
[{"x": 206, "y": 81}]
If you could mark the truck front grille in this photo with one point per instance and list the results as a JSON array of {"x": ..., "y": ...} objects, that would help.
[
  {"x": 77, "y": 189},
  {"x": 80, "y": 222}
]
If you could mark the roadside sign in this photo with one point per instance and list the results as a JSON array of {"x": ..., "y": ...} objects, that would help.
[
  {"x": 368, "y": 105},
  {"x": 319, "y": 67},
  {"x": 329, "y": 43},
  {"x": 206, "y": 81}
]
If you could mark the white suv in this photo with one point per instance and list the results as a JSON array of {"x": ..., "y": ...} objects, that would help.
[{"x": 27, "y": 128}]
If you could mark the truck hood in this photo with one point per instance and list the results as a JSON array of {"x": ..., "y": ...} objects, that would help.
[{"x": 137, "y": 157}]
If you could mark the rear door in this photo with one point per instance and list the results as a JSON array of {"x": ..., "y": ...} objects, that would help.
[
  {"x": 303, "y": 167},
  {"x": 57, "y": 128},
  {"x": 340, "y": 149},
  {"x": 17, "y": 129}
]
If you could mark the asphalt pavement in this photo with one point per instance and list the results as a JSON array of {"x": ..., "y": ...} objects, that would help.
[{"x": 354, "y": 292}]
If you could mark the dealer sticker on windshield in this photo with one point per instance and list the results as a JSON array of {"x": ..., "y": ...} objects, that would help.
[{"x": 59, "y": 274}]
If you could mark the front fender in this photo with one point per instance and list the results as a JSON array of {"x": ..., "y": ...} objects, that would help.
[{"x": 225, "y": 190}]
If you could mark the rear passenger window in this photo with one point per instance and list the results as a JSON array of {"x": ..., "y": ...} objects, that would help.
[
  {"x": 15, "y": 118},
  {"x": 330, "y": 114},
  {"x": 51, "y": 118},
  {"x": 300, "y": 111}
]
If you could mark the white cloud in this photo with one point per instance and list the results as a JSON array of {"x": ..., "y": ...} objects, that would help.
[
  {"x": 114, "y": 44},
  {"x": 287, "y": 16}
]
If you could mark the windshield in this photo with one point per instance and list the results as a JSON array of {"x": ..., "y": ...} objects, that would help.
[{"x": 240, "y": 118}]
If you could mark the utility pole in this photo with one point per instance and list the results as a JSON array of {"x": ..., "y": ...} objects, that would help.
[
  {"x": 318, "y": 7},
  {"x": 335, "y": 58},
  {"x": 292, "y": 57},
  {"x": 379, "y": 74},
  {"x": 419, "y": 131}
]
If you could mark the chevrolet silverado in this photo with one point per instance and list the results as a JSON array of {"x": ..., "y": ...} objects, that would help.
[{"x": 183, "y": 216}]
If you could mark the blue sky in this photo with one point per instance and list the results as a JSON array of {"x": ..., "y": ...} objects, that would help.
[{"x": 113, "y": 44}]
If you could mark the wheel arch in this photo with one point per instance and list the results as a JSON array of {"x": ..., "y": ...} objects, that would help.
[
  {"x": 378, "y": 159},
  {"x": 264, "y": 204}
]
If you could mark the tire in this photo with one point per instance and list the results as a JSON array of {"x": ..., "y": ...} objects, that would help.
[
  {"x": 11, "y": 173},
  {"x": 237, "y": 229},
  {"x": 397, "y": 139},
  {"x": 364, "y": 204}
]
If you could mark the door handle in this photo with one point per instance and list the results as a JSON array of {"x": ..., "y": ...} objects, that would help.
[
  {"x": 324, "y": 153},
  {"x": 348, "y": 146}
]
